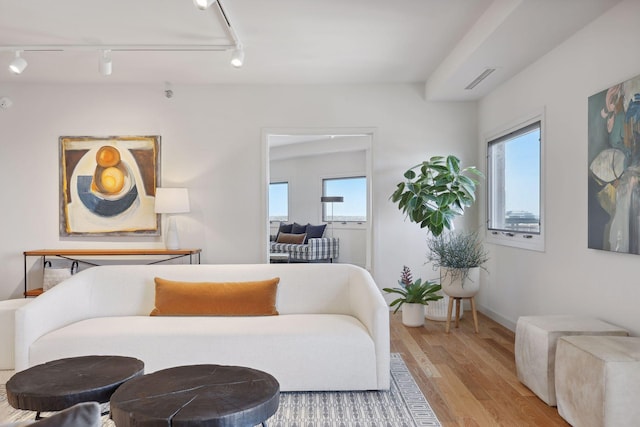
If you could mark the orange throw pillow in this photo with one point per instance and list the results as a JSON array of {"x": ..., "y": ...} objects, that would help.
[
  {"x": 291, "y": 238},
  {"x": 174, "y": 298}
]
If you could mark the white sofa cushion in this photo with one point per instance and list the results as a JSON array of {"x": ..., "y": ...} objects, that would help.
[{"x": 335, "y": 346}]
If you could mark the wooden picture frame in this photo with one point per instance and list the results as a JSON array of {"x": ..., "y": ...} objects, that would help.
[{"x": 108, "y": 184}]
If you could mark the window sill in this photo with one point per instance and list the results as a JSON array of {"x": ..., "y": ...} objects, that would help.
[{"x": 533, "y": 242}]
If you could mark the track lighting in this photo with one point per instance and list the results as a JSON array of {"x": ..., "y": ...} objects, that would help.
[
  {"x": 105, "y": 63},
  {"x": 237, "y": 58},
  {"x": 203, "y": 4},
  {"x": 18, "y": 64}
]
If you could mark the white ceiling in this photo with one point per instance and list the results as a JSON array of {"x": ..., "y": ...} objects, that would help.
[{"x": 445, "y": 43}]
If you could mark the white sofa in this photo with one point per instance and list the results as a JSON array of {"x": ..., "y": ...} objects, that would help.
[{"x": 332, "y": 332}]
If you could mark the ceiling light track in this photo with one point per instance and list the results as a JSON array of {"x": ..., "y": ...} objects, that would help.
[
  {"x": 18, "y": 64},
  {"x": 237, "y": 58},
  {"x": 120, "y": 48}
]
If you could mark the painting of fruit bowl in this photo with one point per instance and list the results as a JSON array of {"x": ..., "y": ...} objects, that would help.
[{"x": 107, "y": 185}]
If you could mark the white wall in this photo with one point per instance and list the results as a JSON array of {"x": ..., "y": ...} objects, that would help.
[
  {"x": 211, "y": 143},
  {"x": 568, "y": 277},
  {"x": 304, "y": 175}
]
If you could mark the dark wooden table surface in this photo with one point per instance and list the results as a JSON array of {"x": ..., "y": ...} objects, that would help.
[
  {"x": 197, "y": 395},
  {"x": 60, "y": 384}
]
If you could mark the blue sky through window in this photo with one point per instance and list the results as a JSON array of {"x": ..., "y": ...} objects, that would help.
[
  {"x": 522, "y": 173},
  {"x": 279, "y": 201},
  {"x": 354, "y": 191}
]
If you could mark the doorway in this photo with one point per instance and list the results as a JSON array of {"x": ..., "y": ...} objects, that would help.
[{"x": 304, "y": 160}]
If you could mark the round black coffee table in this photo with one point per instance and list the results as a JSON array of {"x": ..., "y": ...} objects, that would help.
[
  {"x": 60, "y": 384},
  {"x": 197, "y": 395}
]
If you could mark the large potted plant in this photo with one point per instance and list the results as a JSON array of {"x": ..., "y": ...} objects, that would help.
[
  {"x": 459, "y": 256},
  {"x": 432, "y": 195},
  {"x": 413, "y": 297},
  {"x": 435, "y": 192}
]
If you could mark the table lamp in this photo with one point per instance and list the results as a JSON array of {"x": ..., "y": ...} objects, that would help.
[{"x": 172, "y": 201}]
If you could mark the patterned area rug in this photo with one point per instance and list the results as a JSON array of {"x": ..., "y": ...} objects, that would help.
[{"x": 403, "y": 405}]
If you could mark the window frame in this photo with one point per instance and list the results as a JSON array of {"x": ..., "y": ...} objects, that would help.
[
  {"x": 323, "y": 215},
  {"x": 271, "y": 221},
  {"x": 513, "y": 238}
]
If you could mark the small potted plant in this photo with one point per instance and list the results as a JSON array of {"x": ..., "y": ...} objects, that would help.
[
  {"x": 413, "y": 297},
  {"x": 459, "y": 256}
]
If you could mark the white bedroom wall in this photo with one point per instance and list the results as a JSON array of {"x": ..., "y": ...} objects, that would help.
[
  {"x": 211, "y": 143},
  {"x": 568, "y": 277}
]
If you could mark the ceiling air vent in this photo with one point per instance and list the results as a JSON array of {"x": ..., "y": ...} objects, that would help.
[{"x": 480, "y": 78}]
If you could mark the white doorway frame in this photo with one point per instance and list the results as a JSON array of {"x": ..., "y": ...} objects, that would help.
[{"x": 368, "y": 149}]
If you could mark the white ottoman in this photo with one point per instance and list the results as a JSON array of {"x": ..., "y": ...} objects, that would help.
[
  {"x": 598, "y": 380},
  {"x": 535, "y": 350},
  {"x": 7, "y": 330}
]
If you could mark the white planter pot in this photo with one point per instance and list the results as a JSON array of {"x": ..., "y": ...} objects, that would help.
[
  {"x": 456, "y": 284},
  {"x": 437, "y": 310},
  {"x": 412, "y": 314}
]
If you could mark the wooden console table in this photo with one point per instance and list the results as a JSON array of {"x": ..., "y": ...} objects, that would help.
[{"x": 80, "y": 255}]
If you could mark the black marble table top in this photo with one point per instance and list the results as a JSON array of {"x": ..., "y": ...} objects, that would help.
[
  {"x": 197, "y": 395},
  {"x": 60, "y": 384}
]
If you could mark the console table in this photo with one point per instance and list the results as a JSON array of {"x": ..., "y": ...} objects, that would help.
[{"x": 81, "y": 255}]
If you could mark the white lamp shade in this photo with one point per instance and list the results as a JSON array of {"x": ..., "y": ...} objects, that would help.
[{"x": 172, "y": 200}]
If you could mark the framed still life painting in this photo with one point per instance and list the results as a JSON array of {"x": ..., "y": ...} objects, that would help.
[
  {"x": 108, "y": 185},
  {"x": 614, "y": 168}
]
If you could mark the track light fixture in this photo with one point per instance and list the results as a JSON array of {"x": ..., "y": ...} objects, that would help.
[
  {"x": 18, "y": 64},
  {"x": 105, "y": 63},
  {"x": 237, "y": 58},
  {"x": 203, "y": 4}
]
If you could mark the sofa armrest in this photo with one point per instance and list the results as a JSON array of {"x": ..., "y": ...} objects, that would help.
[
  {"x": 370, "y": 307},
  {"x": 66, "y": 303},
  {"x": 323, "y": 248}
]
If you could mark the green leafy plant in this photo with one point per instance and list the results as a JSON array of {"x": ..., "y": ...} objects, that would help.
[
  {"x": 459, "y": 251},
  {"x": 435, "y": 192},
  {"x": 411, "y": 292}
]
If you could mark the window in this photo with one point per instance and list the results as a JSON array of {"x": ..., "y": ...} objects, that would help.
[
  {"x": 279, "y": 201},
  {"x": 514, "y": 214},
  {"x": 353, "y": 208}
]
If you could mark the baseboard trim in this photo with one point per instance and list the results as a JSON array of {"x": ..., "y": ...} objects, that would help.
[{"x": 497, "y": 317}]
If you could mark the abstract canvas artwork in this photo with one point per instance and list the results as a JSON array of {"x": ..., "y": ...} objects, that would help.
[
  {"x": 108, "y": 185},
  {"x": 614, "y": 168}
]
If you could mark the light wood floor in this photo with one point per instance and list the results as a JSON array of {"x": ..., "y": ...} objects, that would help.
[{"x": 470, "y": 379}]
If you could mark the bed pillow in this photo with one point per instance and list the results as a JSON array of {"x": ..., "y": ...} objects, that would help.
[
  {"x": 177, "y": 298},
  {"x": 297, "y": 239}
]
